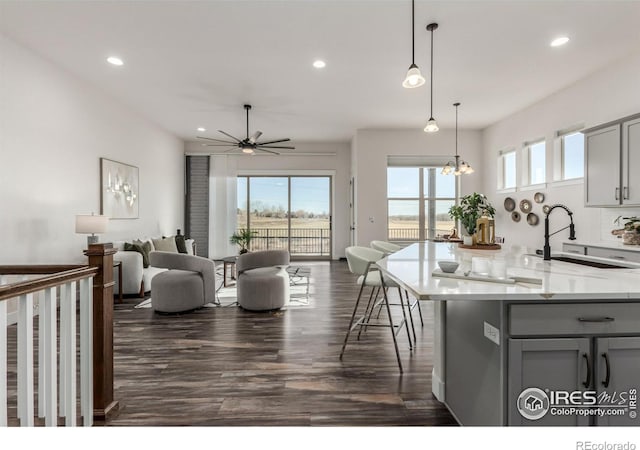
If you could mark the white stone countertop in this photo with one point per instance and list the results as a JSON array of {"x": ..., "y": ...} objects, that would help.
[{"x": 412, "y": 267}]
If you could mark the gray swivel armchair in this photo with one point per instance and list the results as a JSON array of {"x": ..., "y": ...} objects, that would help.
[
  {"x": 187, "y": 285},
  {"x": 262, "y": 280}
]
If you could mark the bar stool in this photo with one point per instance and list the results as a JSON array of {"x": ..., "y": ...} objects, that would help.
[
  {"x": 361, "y": 261},
  {"x": 388, "y": 248}
]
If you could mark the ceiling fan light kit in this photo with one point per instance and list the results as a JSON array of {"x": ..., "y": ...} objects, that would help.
[
  {"x": 414, "y": 78},
  {"x": 250, "y": 144}
]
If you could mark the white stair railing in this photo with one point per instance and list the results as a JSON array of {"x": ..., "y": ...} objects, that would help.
[{"x": 53, "y": 382}]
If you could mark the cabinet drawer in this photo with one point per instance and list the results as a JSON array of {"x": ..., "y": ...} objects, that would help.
[
  {"x": 574, "y": 319},
  {"x": 620, "y": 255},
  {"x": 572, "y": 248}
]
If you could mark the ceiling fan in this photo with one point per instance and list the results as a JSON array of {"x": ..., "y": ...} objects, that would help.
[{"x": 250, "y": 144}]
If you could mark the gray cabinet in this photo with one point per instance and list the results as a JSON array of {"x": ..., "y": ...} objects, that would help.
[
  {"x": 602, "y": 166},
  {"x": 617, "y": 361},
  {"x": 631, "y": 162},
  {"x": 612, "y": 163},
  {"x": 555, "y": 364}
]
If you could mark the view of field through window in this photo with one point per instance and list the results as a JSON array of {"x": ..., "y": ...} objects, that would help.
[
  {"x": 419, "y": 199},
  {"x": 304, "y": 229}
]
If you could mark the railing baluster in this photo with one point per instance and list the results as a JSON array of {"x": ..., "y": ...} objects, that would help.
[
  {"x": 3, "y": 361},
  {"x": 42, "y": 386},
  {"x": 64, "y": 332},
  {"x": 86, "y": 351},
  {"x": 48, "y": 349},
  {"x": 69, "y": 344},
  {"x": 25, "y": 360}
]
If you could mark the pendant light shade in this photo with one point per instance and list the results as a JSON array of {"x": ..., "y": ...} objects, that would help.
[
  {"x": 432, "y": 126},
  {"x": 414, "y": 78},
  {"x": 457, "y": 167}
]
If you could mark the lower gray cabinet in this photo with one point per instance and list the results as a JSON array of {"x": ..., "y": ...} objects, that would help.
[
  {"x": 554, "y": 364},
  {"x": 618, "y": 373}
]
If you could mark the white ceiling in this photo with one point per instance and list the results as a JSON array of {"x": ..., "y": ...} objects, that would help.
[{"x": 195, "y": 63}]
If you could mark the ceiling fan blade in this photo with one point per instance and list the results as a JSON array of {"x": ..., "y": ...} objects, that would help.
[
  {"x": 216, "y": 140},
  {"x": 231, "y": 149},
  {"x": 274, "y": 142},
  {"x": 277, "y": 146},
  {"x": 219, "y": 145},
  {"x": 255, "y": 137},
  {"x": 268, "y": 151},
  {"x": 232, "y": 137}
]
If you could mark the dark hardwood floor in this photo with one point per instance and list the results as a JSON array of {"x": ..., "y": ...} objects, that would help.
[
  {"x": 229, "y": 367},
  {"x": 226, "y": 366}
]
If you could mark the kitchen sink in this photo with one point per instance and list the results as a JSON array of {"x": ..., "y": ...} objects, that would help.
[{"x": 584, "y": 262}]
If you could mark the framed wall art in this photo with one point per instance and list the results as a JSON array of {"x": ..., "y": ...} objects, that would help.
[{"x": 119, "y": 190}]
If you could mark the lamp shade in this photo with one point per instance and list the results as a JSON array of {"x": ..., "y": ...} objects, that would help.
[
  {"x": 414, "y": 78},
  {"x": 90, "y": 224}
]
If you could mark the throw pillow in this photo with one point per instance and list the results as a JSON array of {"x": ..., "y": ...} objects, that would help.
[
  {"x": 165, "y": 245},
  {"x": 180, "y": 244},
  {"x": 147, "y": 247},
  {"x": 143, "y": 249}
]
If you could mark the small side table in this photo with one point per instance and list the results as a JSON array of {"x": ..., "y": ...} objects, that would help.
[
  {"x": 229, "y": 261},
  {"x": 118, "y": 265}
]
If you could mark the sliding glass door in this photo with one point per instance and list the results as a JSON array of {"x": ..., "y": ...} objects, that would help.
[{"x": 287, "y": 212}]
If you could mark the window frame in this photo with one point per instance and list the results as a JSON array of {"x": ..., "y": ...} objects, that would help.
[
  {"x": 426, "y": 202},
  {"x": 528, "y": 147},
  {"x": 562, "y": 155},
  {"x": 502, "y": 179}
]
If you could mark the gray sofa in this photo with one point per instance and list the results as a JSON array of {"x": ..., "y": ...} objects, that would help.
[
  {"x": 187, "y": 283},
  {"x": 262, "y": 280}
]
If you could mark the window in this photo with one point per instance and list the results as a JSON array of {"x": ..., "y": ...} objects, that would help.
[
  {"x": 572, "y": 157},
  {"x": 508, "y": 168},
  {"x": 537, "y": 162},
  {"x": 418, "y": 202}
]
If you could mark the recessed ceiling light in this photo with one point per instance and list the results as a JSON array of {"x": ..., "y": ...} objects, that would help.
[
  {"x": 319, "y": 64},
  {"x": 115, "y": 61},
  {"x": 202, "y": 129},
  {"x": 559, "y": 41}
]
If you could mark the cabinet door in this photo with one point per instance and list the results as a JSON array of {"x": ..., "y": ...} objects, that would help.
[
  {"x": 618, "y": 371},
  {"x": 602, "y": 167},
  {"x": 631, "y": 162},
  {"x": 554, "y": 364}
]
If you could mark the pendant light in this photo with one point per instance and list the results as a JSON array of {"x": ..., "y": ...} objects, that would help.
[
  {"x": 457, "y": 167},
  {"x": 414, "y": 78},
  {"x": 432, "y": 126}
]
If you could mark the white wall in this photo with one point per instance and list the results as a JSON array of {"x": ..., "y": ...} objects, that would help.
[
  {"x": 53, "y": 130},
  {"x": 371, "y": 149},
  {"x": 606, "y": 95},
  {"x": 296, "y": 162}
]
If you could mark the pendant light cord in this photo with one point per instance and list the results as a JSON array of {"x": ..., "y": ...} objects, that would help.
[
  {"x": 457, "y": 104},
  {"x": 247, "y": 122},
  {"x": 413, "y": 33},
  {"x": 431, "y": 115}
]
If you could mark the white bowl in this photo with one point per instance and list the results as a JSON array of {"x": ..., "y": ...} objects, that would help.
[{"x": 448, "y": 266}]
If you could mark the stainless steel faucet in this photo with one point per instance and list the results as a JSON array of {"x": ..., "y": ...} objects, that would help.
[{"x": 572, "y": 230}]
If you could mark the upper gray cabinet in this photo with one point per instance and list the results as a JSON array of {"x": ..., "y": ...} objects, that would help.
[{"x": 612, "y": 163}]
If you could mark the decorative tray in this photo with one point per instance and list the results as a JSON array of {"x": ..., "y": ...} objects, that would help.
[{"x": 481, "y": 246}]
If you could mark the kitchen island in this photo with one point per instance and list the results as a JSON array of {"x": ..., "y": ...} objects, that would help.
[{"x": 576, "y": 330}]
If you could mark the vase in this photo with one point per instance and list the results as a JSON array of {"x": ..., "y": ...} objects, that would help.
[{"x": 467, "y": 240}]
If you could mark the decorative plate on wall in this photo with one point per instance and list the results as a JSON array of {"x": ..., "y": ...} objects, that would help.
[
  {"x": 515, "y": 216},
  {"x": 509, "y": 204},
  {"x": 546, "y": 208},
  {"x": 525, "y": 206},
  {"x": 532, "y": 219},
  {"x": 538, "y": 197}
]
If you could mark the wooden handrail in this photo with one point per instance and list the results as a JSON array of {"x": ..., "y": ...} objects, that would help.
[
  {"x": 54, "y": 279},
  {"x": 37, "y": 269}
]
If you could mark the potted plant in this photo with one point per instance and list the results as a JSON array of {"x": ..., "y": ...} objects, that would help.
[
  {"x": 470, "y": 209},
  {"x": 243, "y": 238},
  {"x": 630, "y": 231}
]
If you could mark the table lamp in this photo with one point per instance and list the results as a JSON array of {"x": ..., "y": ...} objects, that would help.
[{"x": 91, "y": 224}]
